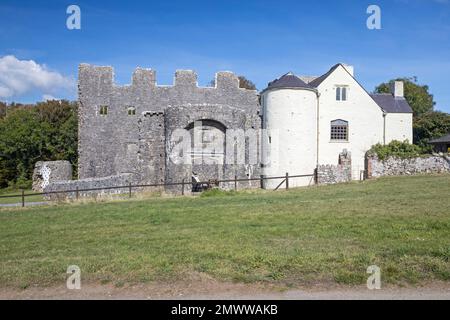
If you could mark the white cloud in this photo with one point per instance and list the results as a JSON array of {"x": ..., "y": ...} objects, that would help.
[
  {"x": 19, "y": 77},
  {"x": 46, "y": 97}
]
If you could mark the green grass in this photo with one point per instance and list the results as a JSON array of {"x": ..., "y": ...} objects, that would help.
[
  {"x": 30, "y": 198},
  {"x": 301, "y": 236}
]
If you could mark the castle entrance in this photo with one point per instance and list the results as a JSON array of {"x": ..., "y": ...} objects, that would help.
[{"x": 207, "y": 150}]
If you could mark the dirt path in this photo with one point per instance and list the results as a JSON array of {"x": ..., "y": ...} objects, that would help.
[{"x": 219, "y": 290}]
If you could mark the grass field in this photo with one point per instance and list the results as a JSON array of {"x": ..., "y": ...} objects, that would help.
[
  {"x": 31, "y": 198},
  {"x": 296, "y": 237}
]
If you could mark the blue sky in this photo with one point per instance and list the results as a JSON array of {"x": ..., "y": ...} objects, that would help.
[{"x": 258, "y": 39}]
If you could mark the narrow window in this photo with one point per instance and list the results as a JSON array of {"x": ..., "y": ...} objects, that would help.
[
  {"x": 341, "y": 93},
  {"x": 339, "y": 130},
  {"x": 131, "y": 111},
  {"x": 344, "y": 94},
  {"x": 103, "y": 110}
]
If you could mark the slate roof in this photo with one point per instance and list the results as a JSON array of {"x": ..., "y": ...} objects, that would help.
[
  {"x": 391, "y": 104},
  {"x": 386, "y": 102},
  {"x": 289, "y": 80},
  {"x": 444, "y": 139},
  {"x": 316, "y": 82}
]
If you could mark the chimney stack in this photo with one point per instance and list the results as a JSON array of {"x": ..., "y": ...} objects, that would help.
[
  {"x": 349, "y": 68},
  {"x": 397, "y": 89}
]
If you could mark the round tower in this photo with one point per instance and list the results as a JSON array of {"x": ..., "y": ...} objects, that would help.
[{"x": 289, "y": 143}]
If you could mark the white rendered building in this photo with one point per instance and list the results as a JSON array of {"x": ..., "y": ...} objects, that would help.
[{"x": 311, "y": 120}]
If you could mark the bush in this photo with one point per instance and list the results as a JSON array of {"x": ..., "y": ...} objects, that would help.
[{"x": 396, "y": 149}]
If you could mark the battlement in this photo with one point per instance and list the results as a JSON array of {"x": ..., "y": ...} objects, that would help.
[
  {"x": 144, "y": 77},
  {"x": 123, "y": 129},
  {"x": 102, "y": 78}
]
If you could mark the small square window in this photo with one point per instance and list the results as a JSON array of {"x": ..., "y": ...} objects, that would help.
[
  {"x": 339, "y": 130},
  {"x": 131, "y": 111},
  {"x": 103, "y": 110}
]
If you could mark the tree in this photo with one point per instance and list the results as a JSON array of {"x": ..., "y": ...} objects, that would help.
[
  {"x": 2, "y": 110},
  {"x": 45, "y": 132},
  {"x": 430, "y": 125},
  {"x": 60, "y": 122},
  {"x": 418, "y": 97},
  {"x": 243, "y": 83},
  {"x": 20, "y": 146},
  {"x": 246, "y": 84}
]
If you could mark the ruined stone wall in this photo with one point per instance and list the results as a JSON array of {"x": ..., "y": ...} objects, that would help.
[
  {"x": 395, "y": 166},
  {"x": 46, "y": 172},
  {"x": 230, "y": 118},
  {"x": 89, "y": 183},
  {"x": 331, "y": 174},
  {"x": 123, "y": 142}
]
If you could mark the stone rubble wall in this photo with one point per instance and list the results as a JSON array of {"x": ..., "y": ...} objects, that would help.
[
  {"x": 331, "y": 174},
  {"x": 89, "y": 183},
  {"x": 47, "y": 172},
  {"x": 395, "y": 166}
]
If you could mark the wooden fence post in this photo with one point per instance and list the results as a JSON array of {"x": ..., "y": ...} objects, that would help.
[
  {"x": 23, "y": 198},
  {"x": 287, "y": 180},
  {"x": 129, "y": 190},
  {"x": 182, "y": 187},
  {"x": 261, "y": 181},
  {"x": 77, "y": 194},
  {"x": 235, "y": 182}
]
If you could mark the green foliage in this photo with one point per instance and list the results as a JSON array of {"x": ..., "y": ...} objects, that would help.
[
  {"x": 396, "y": 149},
  {"x": 430, "y": 125},
  {"x": 44, "y": 132},
  {"x": 2, "y": 109},
  {"x": 246, "y": 84},
  {"x": 418, "y": 97}
]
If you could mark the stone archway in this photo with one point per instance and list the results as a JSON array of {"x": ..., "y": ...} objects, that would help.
[{"x": 207, "y": 149}]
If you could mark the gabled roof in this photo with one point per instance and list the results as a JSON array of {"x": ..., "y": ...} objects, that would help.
[
  {"x": 391, "y": 104},
  {"x": 444, "y": 139},
  {"x": 386, "y": 102},
  {"x": 289, "y": 80},
  {"x": 316, "y": 82}
]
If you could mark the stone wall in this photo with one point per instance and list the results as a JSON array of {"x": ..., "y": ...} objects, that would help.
[
  {"x": 89, "y": 183},
  {"x": 395, "y": 166},
  {"x": 331, "y": 174},
  {"x": 46, "y": 172},
  {"x": 136, "y": 142},
  {"x": 223, "y": 117}
]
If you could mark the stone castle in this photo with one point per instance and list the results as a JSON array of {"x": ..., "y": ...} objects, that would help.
[
  {"x": 311, "y": 124},
  {"x": 126, "y": 129}
]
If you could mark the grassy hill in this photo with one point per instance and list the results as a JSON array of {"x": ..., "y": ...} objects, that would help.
[{"x": 300, "y": 236}]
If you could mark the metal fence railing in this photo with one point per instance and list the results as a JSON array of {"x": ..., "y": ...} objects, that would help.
[{"x": 183, "y": 185}]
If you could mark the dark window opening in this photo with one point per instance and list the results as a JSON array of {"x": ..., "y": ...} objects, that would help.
[
  {"x": 103, "y": 110},
  {"x": 339, "y": 130}
]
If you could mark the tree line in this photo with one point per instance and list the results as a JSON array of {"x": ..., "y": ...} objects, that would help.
[
  {"x": 33, "y": 132},
  {"x": 48, "y": 131}
]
